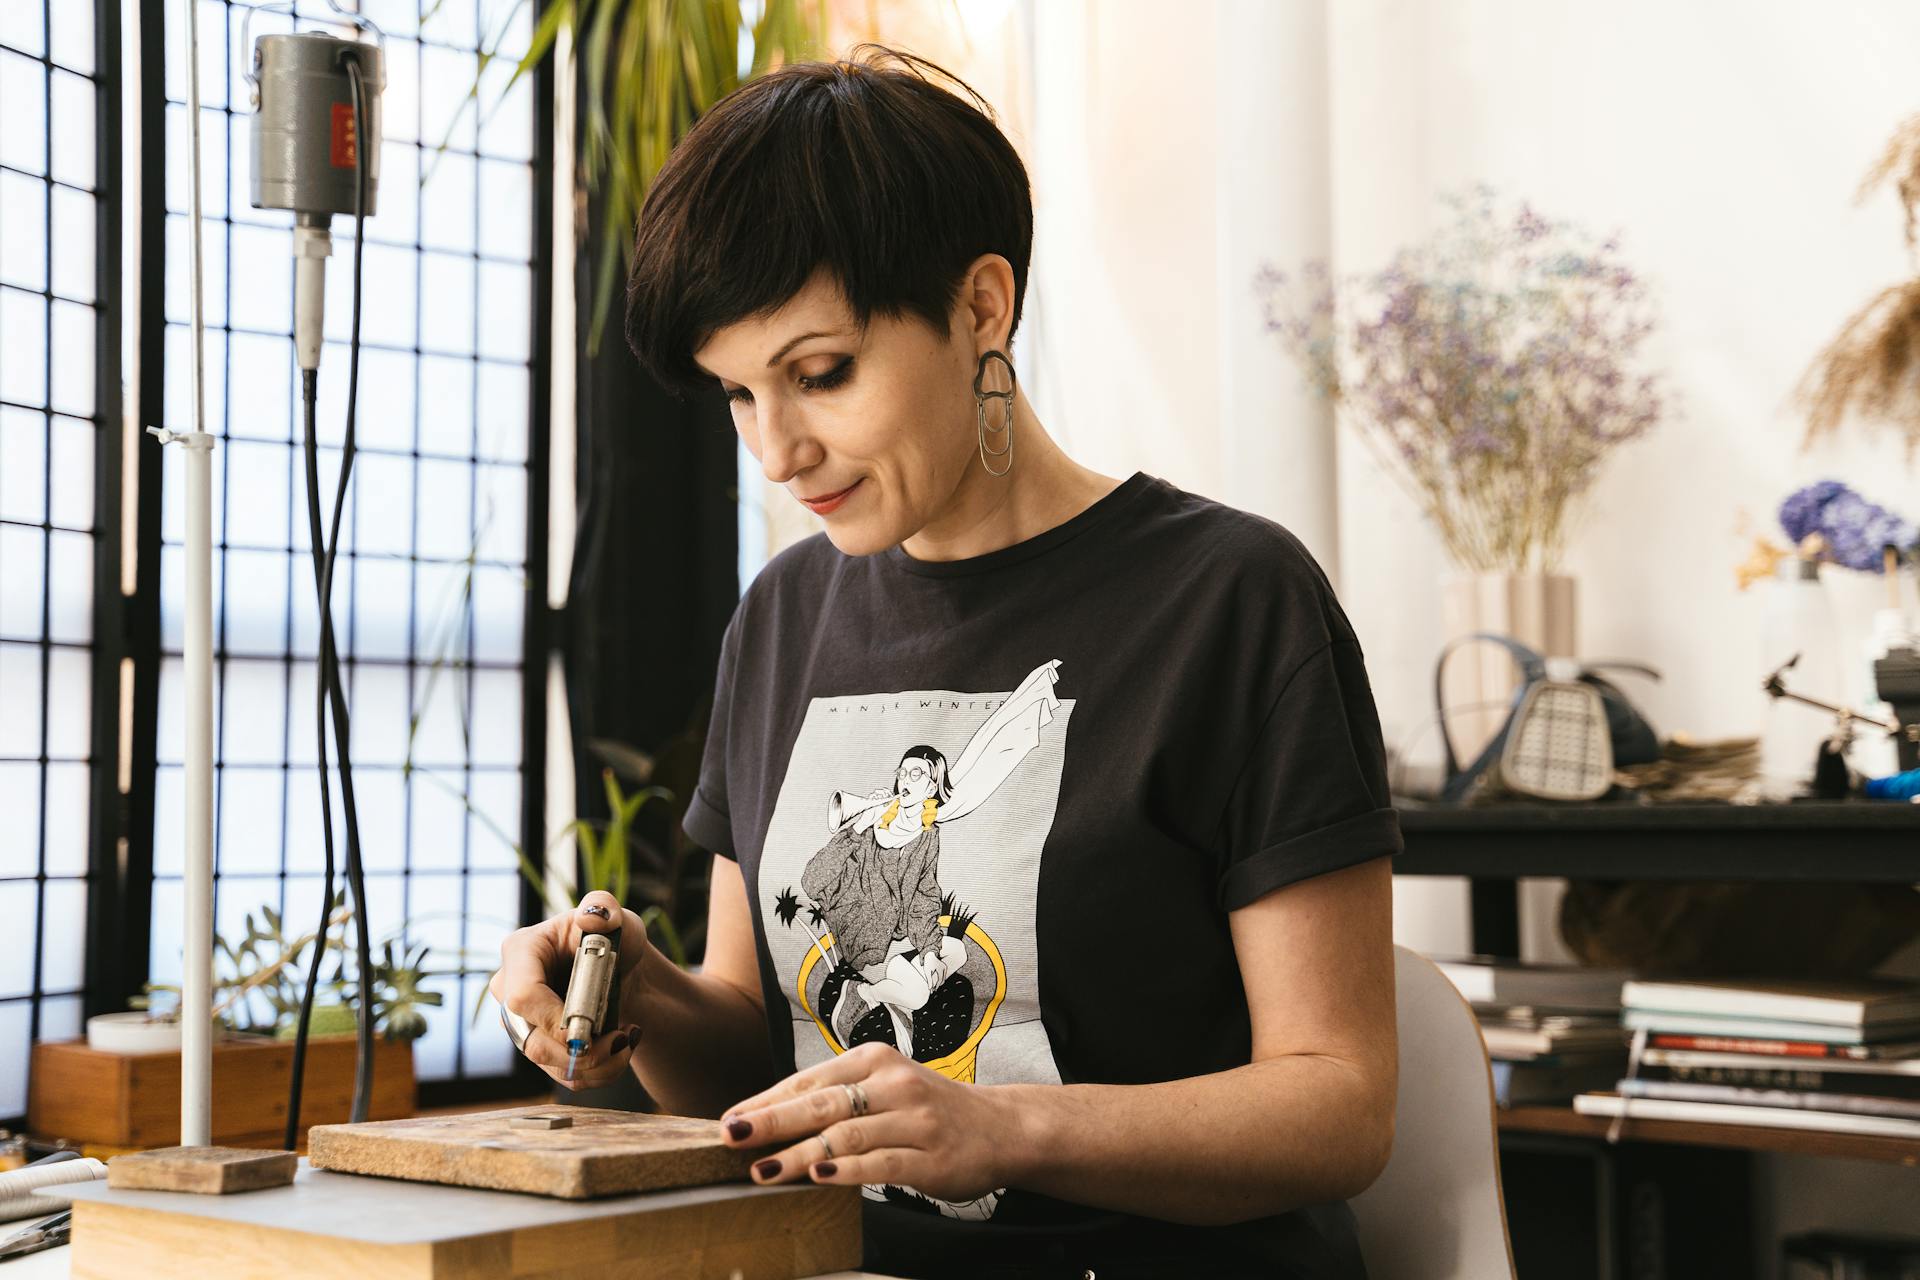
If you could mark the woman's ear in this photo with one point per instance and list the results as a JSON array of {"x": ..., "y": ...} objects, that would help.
[{"x": 987, "y": 293}]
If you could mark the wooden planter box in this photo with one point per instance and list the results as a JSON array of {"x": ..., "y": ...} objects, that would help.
[{"x": 132, "y": 1100}]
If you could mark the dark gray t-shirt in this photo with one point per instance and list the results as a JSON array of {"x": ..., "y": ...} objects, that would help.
[{"x": 995, "y": 812}]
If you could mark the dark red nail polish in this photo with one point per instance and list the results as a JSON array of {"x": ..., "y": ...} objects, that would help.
[
  {"x": 824, "y": 1169},
  {"x": 618, "y": 1044},
  {"x": 739, "y": 1129},
  {"x": 767, "y": 1168}
]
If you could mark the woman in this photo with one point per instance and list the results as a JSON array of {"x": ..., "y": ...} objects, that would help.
[{"x": 1173, "y": 1050}]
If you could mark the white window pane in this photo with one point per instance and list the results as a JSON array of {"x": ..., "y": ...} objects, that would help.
[
  {"x": 394, "y": 17},
  {"x": 23, "y": 229},
  {"x": 63, "y": 940},
  {"x": 440, "y": 708},
  {"x": 506, "y": 311},
  {"x": 73, "y": 350},
  {"x": 70, "y": 588},
  {"x": 496, "y": 717},
  {"x": 381, "y": 591},
  {"x": 60, "y": 1018},
  {"x": 214, "y": 135},
  {"x": 381, "y": 801},
  {"x": 507, "y": 27},
  {"x": 180, "y": 279},
  {"x": 213, "y": 50},
  {"x": 16, "y": 1045},
  {"x": 439, "y": 821},
  {"x": 255, "y": 691},
  {"x": 445, "y": 114},
  {"x": 73, "y": 440},
  {"x": 499, "y": 613},
  {"x": 386, "y": 400},
  {"x": 20, "y": 833},
  {"x": 19, "y": 702},
  {"x": 172, "y": 728},
  {"x": 306, "y": 632},
  {"x": 169, "y": 812},
  {"x": 20, "y": 28},
  {"x": 387, "y": 298},
  {"x": 259, "y": 479},
  {"x": 446, "y": 510},
  {"x": 446, "y": 406},
  {"x": 237, "y": 897},
  {"x": 449, "y": 23},
  {"x": 383, "y": 498},
  {"x": 400, "y": 104},
  {"x": 23, "y": 105},
  {"x": 23, "y": 344},
  {"x": 23, "y": 582},
  {"x": 262, "y": 376},
  {"x": 380, "y": 715},
  {"x": 494, "y": 828},
  {"x": 74, "y": 103},
  {"x": 487, "y": 1052},
  {"x": 447, "y": 318},
  {"x": 73, "y": 244},
  {"x": 447, "y": 200},
  {"x": 505, "y": 397},
  {"x": 249, "y": 821},
  {"x": 23, "y": 465},
  {"x": 256, "y": 601},
  {"x": 509, "y": 131},
  {"x": 70, "y": 702},
  {"x": 263, "y": 258},
  {"x": 502, "y": 514},
  {"x": 72, "y": 34},
  {"x": 180, "y": 403},
  {"x": 398, "y": 218},
  {"x": 67, "y": 810},
  {"x": 19, "y": 907},
  {"x": 163, "y": 950},
  {"x": 506, "y": 210}
]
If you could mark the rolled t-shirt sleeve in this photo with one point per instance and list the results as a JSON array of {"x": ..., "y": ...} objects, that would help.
[
  {"x": 1312, "y": 796},
  {"x": 707, "y": 821}
]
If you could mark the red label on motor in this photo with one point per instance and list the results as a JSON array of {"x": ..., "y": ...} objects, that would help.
[{"x": 346, "y": 137}]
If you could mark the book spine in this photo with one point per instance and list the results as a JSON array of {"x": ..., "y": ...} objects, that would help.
[
  {"x": 1849, "y": 1104},
  {"x": 1798, "y": 1079},
  {"x": 1743, "y": 1044}
]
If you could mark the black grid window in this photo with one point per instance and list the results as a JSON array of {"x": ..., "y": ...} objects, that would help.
[
  {"x": 51, "y": 414},
  {"x": 431, "y": 592}
]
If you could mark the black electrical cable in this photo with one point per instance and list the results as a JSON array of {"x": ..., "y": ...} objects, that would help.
[{"x": 331, "y": 690}]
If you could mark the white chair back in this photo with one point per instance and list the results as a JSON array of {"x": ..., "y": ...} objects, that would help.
[{"x": 1437, "y": 1213}]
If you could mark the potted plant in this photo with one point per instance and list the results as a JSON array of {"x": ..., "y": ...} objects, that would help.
[
  {"x": 1491, "y": 371},
  {"x": 118, "y": 1092}
]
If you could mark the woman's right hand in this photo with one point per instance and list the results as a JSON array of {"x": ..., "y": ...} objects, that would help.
[{"x": 535, "y": 963}]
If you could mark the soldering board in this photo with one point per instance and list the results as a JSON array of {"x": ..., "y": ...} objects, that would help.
[{"x": 597, "y": 1152}]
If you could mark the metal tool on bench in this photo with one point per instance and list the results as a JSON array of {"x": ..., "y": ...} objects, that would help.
[{"x": 593, "y": 997}]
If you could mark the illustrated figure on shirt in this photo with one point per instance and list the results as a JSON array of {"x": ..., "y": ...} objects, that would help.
[{"x": 875, "y": 885}]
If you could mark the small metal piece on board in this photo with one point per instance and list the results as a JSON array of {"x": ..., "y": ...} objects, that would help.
[
  {"x": 541, "y": 1122},
  {"x": 204, "y": 1170}
]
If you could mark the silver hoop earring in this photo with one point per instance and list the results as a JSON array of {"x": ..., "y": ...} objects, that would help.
[{"x": 980, "y": 398}]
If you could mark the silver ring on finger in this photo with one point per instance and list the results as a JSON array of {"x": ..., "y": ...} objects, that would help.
[
  {"x": 825, "y": 1145},
  {"x": 857, "y": 1099}
]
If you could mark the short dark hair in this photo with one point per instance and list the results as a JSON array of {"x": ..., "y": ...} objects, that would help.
[{"x": 863, "y": 167}]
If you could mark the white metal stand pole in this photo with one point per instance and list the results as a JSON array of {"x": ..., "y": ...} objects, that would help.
[{"x": 196, "y": 980}]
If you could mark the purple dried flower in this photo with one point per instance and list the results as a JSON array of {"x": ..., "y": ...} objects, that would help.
[{"x": 1856, "y": 531}]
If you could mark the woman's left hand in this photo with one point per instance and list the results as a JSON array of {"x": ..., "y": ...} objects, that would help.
[{"x": 919, "y": 1129}]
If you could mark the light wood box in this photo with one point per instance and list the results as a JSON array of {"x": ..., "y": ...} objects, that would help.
[{"x": 131, "y": 1101}]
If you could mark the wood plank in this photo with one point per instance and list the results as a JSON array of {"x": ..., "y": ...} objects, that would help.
[
  {"x": 600, "y": 1153},
  {"x": 203, "y": 1170},
  {"x": 1566, "y": 1122},
  {"x": 351, "y": 1228}
]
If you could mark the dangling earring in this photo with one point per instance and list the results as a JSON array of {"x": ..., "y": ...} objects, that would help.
[{"x": 980, "y": 398}]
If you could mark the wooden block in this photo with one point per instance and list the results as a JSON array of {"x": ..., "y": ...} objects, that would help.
[
  {"x": 543, "y": 1121},
  {"x": 334, "y": 1225},
  {"x": 133, "y": 1100},
  {"x": 213, "y": 1171},
  {"x": 598, "y": 1153}
]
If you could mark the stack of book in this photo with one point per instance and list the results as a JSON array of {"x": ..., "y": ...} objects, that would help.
[
  {"x": 1843, "y": 1057},
  {"x": 1552, "y": 1031}
]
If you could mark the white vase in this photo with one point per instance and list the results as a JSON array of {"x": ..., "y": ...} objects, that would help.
[{"x": 1537, "y": 609}]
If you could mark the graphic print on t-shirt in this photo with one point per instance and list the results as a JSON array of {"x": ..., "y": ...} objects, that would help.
[{"x": 907, "y": 916}]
